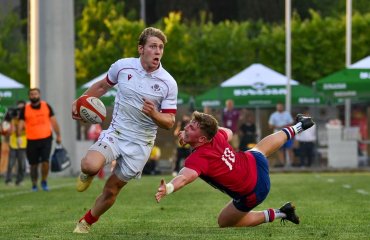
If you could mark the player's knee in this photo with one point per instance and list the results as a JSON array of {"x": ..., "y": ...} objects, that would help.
[
  {"x": 222, "y": 223},
  {"x": 90, "y": 165}
]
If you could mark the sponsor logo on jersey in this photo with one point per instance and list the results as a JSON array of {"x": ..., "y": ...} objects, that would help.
[{"x": 156, "y": 88}]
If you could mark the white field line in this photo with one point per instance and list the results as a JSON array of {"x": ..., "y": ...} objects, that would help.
[
  {"x": 347, "y": 186},
  {"x": 363, "y": 192},
  {"x": 30, "y": 191}
]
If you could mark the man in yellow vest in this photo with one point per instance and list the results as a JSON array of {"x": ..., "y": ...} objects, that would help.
[
  {"x": 38, "y": 119},
  {"x": 17, "y": 154}
]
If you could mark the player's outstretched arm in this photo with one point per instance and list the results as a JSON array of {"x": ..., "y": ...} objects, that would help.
[
  {"x": 186, "y": 176},
  {"x": 161, "y": 192}
]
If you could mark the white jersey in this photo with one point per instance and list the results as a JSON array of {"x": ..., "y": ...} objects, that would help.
[{"x": 133, "y": 85}]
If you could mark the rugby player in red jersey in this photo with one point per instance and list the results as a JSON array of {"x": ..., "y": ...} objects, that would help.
[{"x": 244, "y": 176}]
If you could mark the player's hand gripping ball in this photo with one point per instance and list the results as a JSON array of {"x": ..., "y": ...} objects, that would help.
[{"x": 91, "y": 109}]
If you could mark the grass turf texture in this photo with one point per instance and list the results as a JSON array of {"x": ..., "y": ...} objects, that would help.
[{"x": 330, "y": 206}]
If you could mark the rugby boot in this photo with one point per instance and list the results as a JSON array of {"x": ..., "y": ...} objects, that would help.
[
  {"x": 82, "y": 227},
  {"x": 289, "y": 210},
  {"x": 83, "y": 182},
  {"x": 306, "y": 121}
]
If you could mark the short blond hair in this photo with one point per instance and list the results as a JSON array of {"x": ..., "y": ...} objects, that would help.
[{"x": 151, "y": 32}]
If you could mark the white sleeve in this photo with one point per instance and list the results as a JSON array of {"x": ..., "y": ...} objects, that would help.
[
  {"x": 271, "y": 119},
  {"x": 170, "y": 101},
  {"x": 114, "y": 70}
]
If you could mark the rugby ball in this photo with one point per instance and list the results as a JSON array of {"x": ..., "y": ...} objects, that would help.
[{"x": 91, "y": 109}]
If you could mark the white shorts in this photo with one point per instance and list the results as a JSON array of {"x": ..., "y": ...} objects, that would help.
[{"x": 131, "y": 157}]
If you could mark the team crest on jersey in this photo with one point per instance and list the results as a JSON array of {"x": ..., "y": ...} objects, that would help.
[
  {"x": 129, "y": 77},
  {"x": 156, "y": 88}
]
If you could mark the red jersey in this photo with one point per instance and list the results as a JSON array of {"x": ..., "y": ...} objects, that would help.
[{"x": 234, "y": 173}]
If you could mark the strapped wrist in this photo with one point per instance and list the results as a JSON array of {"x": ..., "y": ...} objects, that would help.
[{"x": 169, "y": 188}]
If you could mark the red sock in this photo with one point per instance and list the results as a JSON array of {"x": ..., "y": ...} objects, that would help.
[
  {"x": 289, "y": 131},
  {"x": 271, "y": 213},
  {"x": 89, "y": 218},
  {"x": 101, "y": 174}
]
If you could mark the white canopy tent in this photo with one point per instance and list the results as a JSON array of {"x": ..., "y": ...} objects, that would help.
[
  {"x": 361, "y": 64},
  {"x": 257, "y": 86},
  {"x": 11, "y": 91},
  {"x": 257, "y": 74},
  {"x": 7, "y": 82}
]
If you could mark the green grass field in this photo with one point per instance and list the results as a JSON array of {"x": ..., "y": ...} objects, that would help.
[{"x": 330, "y": 206}]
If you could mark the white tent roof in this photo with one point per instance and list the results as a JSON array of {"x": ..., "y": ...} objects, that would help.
[
  {"x": 7, "y": 82},
  {"x": 98, "y": 78},
  {"x": 257, "y": 74},
  {"x": 363, "y": 63}
]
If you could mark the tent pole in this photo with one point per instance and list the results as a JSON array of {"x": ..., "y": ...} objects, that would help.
[
  {"x": 288, "y": 59},
  {"x": 347, "y": 114},
  {"x": 288, "y": 66},
  {"x": 348, "y": 56},
  {"x": 258, "y": 123}
]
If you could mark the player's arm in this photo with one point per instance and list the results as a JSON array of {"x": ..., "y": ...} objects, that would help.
[
  {"x": 186, "y": 176},
  {"x": 228, "y": 132},
  {"x": 98, "y": 89},
  {"x": 55, "y": 125},
  {"x": 163, "y": 120},
  {"x": 177, "y": 129}
]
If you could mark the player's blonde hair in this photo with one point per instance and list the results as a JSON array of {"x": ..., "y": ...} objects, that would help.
[
  {"x": 207, "y": 124},
  {"x": 151, "y": 32}
]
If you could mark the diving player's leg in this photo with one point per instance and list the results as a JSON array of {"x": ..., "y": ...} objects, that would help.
[{"x": 273, "y": 142}]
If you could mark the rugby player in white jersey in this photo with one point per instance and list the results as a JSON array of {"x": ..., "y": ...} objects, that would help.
[{"x": 146, "y": 99}]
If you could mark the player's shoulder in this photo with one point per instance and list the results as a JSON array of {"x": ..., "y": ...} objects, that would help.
[
  {"x": 127, "y": 62},
  {"x": 165, "y": 76}
]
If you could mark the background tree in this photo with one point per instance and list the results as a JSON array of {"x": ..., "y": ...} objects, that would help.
[
  {"x": 13, "y": 48},
  {"x": 104, "y": 35},
  {"x": 204, "y": 49}
]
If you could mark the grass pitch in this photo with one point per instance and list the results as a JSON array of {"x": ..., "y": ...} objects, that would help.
[{"x": 330, "y": 206}]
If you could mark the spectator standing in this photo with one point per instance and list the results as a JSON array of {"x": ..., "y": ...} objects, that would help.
[
  {"x": 277, "y": 121},
  {"x": 4, "y": 138},
  {"x": 230, "y": 120},
  {"x": 17, "y": 154},
  {"x": 247, "y": 133},
  {"x": 38, "y": 119}
]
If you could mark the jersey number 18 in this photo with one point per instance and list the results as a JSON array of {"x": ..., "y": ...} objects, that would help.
[{"x": 229, "y": 158}]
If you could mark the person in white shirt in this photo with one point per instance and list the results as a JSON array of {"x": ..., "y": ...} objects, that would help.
[
  {"x": 146, "y": 99},
  {"x": 277, "y": 121}
]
